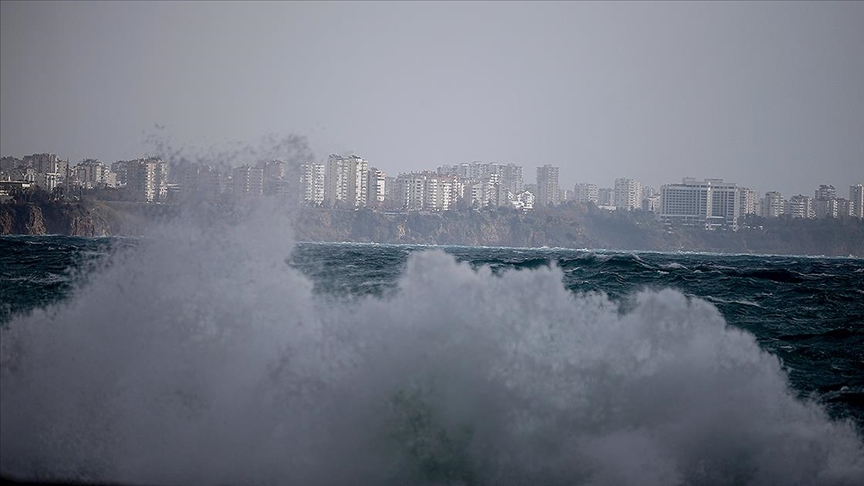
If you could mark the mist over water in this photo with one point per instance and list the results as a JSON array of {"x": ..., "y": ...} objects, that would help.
[{"x": 198, "y": 356}]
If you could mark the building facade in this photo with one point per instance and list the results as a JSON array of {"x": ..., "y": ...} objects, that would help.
[
  {"x": 147, "y": 179},
  {"x": 585, "y": 193},
  {"x": 377, "y": 186},
  {"x": 856, "y": 200},
  {"x": 711, "y": 203},
  {"x": 627, "y": 194},
  {"x": 548, "y": 190},
  {"x": 346, "y": 180},
  {"x": 801, "y": 206},
  {"x": 749, "y": 201},
  {"x": 773, "y": 204},
  {"x": 247, "y": 181},
  {"x": 312, "y": 183}
]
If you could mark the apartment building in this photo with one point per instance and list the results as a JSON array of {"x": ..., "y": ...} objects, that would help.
[
  {"x": 773, "y": 204},
  {"x": 146, "y": 179},
  {"x": 856, "y": 200},
  {"x": 377, "y": 186},
  {"x": 548, "y": 190},
  {"x": 247, "y": 181},
  {"x": 585, "y": 193},
  {"x": 346, "y": 180},
  {"x": 801, "y": 206},
  {"x": 628, "y": 194},
  {"x": 312, "y": 183}
]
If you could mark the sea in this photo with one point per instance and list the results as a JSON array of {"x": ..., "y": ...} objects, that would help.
[{"x": 192, "y": 357}]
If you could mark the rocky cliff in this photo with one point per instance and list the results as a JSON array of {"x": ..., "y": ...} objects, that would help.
[
  {"x": 576, "y": 226},
  {"x": 568, "y": 226},
  {"x": 52, "y": 218}
]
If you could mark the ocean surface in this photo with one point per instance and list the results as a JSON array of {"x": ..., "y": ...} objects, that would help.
[{"x": 396, "y": 364}]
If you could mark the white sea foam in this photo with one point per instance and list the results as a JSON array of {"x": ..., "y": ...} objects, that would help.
[{"x": 199, "y": 357}]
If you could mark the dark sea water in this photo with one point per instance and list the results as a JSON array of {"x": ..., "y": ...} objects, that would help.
[{"x": 482, "y": 365}]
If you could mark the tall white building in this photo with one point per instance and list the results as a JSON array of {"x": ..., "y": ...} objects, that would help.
[
  {"x": 749, "y": 201},
  {"x": 312, "y": 183},
  {"x": 710, "y": 203},
  {"x": 439, "y": 193},
  {"x": 856, "y": 200},
  {"x": 147, "y": 179},
  {"x": 510, "y": 178},
  {"x": 430, "y": 191},
  {"x": 801, "y": 206},
  {"x": 377, "y": 186},
  {"x": 409, "y": 191},
  {"x": 826, "y": 191},
  {"x": 346, "y": 180},
  {"x": 548, "y": 190},
  {"x": 628, "y": 194}
]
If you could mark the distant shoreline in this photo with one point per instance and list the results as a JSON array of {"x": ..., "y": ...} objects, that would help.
[{"x": 570, "y": 226}]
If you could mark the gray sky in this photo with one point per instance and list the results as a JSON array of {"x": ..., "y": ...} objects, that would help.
[{"x": 769, "y": 95}]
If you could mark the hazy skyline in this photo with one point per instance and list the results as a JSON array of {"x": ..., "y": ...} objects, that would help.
[{"x": 769, "y": 95}]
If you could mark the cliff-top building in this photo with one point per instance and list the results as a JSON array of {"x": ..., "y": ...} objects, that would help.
[
  {"x": 856, "y": 200},
  {"x": 710, "y": 203},
  {"x": 628, "y": 194},
  {"x": 146, "y": 179},
  {"x": 548, "y": 190},
  {"x": 801, "y": 206},
  {"x": 346, "y": 180},
  {"x": 585, "y": 193}
]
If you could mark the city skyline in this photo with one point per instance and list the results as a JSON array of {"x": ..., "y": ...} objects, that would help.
[
  {"x": 768, "y": 93},
  {"x": 349, "y": 181},
  {"x": 572, "y": 186}
]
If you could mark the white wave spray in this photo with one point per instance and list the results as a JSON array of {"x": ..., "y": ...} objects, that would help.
[{"x": 199, "y": 357}]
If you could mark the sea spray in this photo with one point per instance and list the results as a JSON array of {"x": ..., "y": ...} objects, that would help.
[{"x": 199, "y": 356}]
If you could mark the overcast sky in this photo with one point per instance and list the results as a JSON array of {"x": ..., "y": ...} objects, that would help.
[{"x": 769, "y": 95}]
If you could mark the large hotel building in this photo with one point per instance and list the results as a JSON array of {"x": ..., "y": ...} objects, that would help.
[{"x": 710, "y": 203}]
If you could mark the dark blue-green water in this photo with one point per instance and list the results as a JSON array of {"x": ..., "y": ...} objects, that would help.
[{"x": 609, "y": 377}]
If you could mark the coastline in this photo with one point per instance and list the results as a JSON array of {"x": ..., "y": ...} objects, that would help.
[{"x": 570, "y": 226}]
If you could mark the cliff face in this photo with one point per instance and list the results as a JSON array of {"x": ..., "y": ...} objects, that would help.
[
  {"x": 577, "y": 228},
  {"x": 565, "y": 226},
  {"x": 52, "y": 218},
  {"x": 23, "y": 219}
]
